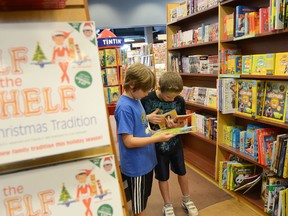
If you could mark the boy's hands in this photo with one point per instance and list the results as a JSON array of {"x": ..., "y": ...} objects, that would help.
[
  {"x": 155, "y": 118},
  {"x": 165, "y": 136}
]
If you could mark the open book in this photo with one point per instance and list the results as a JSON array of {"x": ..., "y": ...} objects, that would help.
[
  {"x": 180, "y": 130},
  {"x": 248, "y": 183},
  {"x": 173, "y": 115}
]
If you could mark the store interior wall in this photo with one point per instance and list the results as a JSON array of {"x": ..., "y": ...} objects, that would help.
[{"x": 128, "y": 13}]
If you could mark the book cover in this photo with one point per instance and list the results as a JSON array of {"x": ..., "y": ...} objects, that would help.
[
  {"x": 223, "y": 174},
  {"x": 229, "y": 90},
  {"x": 240, "y": 12},
  {"x": 281, "y": 64},
  {"x": 240, "y": 172},
  {"x": 176, "y": 118},
  {"x": 60, "y": 86},
  {"x": 114, "y": 93},
  {"x": 102, "y": 57},
  {"x": 248, "y": 183},
  {"x": 234, "y": 64},
  {"x": 263, "y": 64},
  {"x": 112, "y": 76},
  {"x": 176, "y": 131},
  {"x": 110, "y": 57},
  {"x": 249, "y": 100},
  {"x": 274, "y": 186},
  {"x": 263, "y": 20},
  {"x": 275, "y": 97},
  {"x": 212, "y": 97},
  {"x": 228, "y": 27},
  {"x": 84, "y": 187}
]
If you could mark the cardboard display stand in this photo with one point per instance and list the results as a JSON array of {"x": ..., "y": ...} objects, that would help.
[{"x": 52, "y": 111}]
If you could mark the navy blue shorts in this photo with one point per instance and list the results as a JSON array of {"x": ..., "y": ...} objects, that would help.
[{"x": 175, "y": 160}]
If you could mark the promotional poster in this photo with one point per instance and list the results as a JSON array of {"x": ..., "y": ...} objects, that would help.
[
  {"x": 84, "y": 188},
  {"x": 51, "y": 93}
]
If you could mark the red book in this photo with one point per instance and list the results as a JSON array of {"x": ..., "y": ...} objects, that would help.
[{"x": 263, "y": 20}]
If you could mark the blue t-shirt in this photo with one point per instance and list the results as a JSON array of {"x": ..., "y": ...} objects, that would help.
[{"x": 131, "y": 119}]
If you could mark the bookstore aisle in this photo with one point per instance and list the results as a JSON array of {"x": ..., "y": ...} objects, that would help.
[{"x": 207, "y": 196}]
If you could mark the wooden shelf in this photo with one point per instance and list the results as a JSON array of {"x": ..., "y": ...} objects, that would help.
[
  {"x": 237, "y": 152},
  {"x": 198, "y": 15},
  {"x": 207, "y": 166},
  {"x": 200, "y": 75},
  {"x": 264, "y": 77},
  {"x": 263, "y": 121},
  {"x": 201, "y": 106},
  {"x": 204, "y": 138},
  {"x": 194, "y": 45}
]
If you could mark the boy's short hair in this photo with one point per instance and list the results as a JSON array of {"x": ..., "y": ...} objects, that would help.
[
  {"x": 171, "y": 82},
  {"x": 142, "y": 77}
]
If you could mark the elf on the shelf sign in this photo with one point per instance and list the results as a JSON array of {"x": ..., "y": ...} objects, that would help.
[{"x": 51, "y": 92}]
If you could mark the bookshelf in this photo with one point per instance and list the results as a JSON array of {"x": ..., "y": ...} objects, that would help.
[
  {"x": 198, "y": 149},
  {"x": 200, "y": 152}
]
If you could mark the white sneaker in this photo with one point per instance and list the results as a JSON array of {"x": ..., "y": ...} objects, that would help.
[
  {"x": 168, "y": 210},
  {"x": 190, "y": 208}
]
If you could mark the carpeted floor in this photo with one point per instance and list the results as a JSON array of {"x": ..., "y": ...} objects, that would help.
[{"x": 202, "y": 192}]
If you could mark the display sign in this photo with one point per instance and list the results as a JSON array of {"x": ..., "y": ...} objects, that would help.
[
  {"x": 51, "y": 91},
  {"x": 86, "y": 187}
]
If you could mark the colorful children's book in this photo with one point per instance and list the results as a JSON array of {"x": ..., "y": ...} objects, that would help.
[
  {"x": 246, "y": 64},
  {"x": 112, "y": 76},
  {"x": 176, "y": 118},
  {"x": 228, "y": 95},
  {"x": 240, "y": 172},
  {"x": 249, "y": 98},
  {"x": 82, "y": 187},
  {"x": 274, "y": 107},
  {"x": 263, "y": 64},
  {"x": 240, "y": 12},
  {"x": 281, "y": 64},
  {"x": 110, "y": 57}
]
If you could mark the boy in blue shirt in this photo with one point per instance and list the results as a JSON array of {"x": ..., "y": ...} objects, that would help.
[
  {"x": 136, "y": 145},
  {"x": 169, "y": 153}
]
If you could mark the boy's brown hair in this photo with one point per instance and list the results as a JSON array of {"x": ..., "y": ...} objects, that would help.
[
  {"x": 171, "y": 82},
  {"x": 142, "y": 77}
]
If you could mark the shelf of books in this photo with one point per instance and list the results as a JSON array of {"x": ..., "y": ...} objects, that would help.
[
  {"x": 249, "y": 121},
  {"x": 252, "y": 93},
  {"x": 192, "y": 47}
]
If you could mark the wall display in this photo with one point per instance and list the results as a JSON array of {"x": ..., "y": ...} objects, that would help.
[
  {"x": 86, "y": 187},
  {"x": 51, "y": 93}
]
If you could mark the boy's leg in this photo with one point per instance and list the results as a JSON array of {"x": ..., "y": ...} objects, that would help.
[
  {"x": 140, "y": 188},
  {"x": 178, "y": 167},
  {"x": 162, "y": 175}
]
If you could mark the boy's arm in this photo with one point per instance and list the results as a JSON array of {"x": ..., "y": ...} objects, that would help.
[{"x": 132, "y": 142}]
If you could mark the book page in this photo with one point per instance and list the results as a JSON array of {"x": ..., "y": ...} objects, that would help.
[{"x": 177, "y": 131}]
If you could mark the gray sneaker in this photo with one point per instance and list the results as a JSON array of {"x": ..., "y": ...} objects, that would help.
[
  {"x": 168, "y": 210},
  {"x": 190, "y": 208}
]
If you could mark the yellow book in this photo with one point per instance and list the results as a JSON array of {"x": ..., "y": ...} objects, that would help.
[
  {"x": 110, "y": 57},
  {"x": 281, "y": 63},
  {"x": 247, "y": 64},
  {"x": 263, "y": 64},
  {"x": 275, "y": 100},
  {"x": 249, "y": 99}
]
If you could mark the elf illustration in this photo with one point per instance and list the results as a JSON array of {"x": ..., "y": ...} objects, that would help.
[
  {"x": 84, "y": 190},
  {"x": 88, "y": 31},
  {"x": 61, "y": 53}
]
